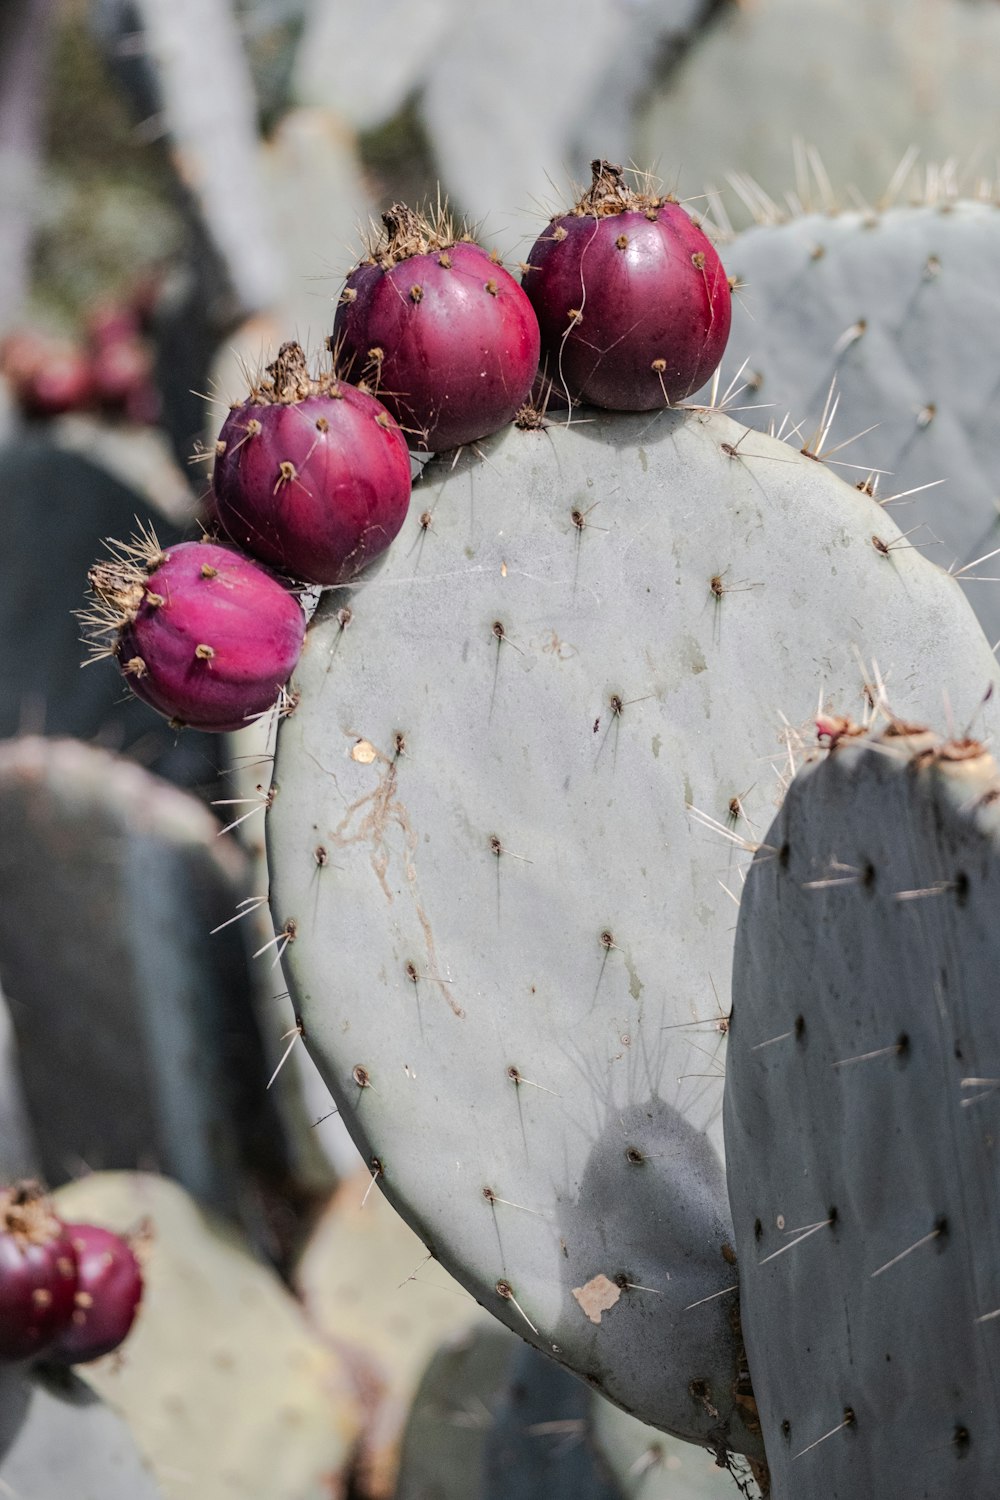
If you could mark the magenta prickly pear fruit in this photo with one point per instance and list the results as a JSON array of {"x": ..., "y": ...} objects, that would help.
[
  {"x": 204, "y": 634},
  {"x": 448, "y": 338},
  {"x": 38, "y": 1273},
  {"x": 311, "y": 475},
  {"x": 632, "y": 300},
  {"x": 108, "y": 1293}
]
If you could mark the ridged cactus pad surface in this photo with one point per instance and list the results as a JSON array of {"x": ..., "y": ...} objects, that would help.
[
  {"x": 500, "y": 915},
  {"x": 861, "y": 1108}
]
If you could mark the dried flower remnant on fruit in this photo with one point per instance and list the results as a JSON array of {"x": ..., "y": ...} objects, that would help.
[
  {"x": 208, "y": 638},
  {"x": 324, "y": 486},
  {"x": 456, "y": 338},
  {"x": 633, "y": 303}
]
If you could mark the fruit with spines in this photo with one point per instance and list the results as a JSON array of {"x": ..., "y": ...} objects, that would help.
[
  {"x": 312, "y": 475},
  {"x": 38, "y": 1272},
  {"x": 202, "y": 633},
  {"x": 108, "y": 1293},
  {"x": 632, "y": 300},
  {"x": 442, "y": 332}
]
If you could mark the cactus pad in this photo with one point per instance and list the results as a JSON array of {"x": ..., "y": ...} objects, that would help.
[
  {"x": 501, "y": 920},
  {"x": 861, "y": 1103}
]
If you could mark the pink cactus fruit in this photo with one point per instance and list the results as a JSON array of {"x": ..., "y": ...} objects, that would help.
[
  {"x": 109, "y": 1290},
  {"x": 311, "y": 475},
  {"x": 121, "y": 362},
  {"x": 446, "y": 336},
  {"x": 632, "y": 300},
  {"x": 38, "y": 1273},
  {"x": 47, "y": 376},
  {"x": 203, "y": 633}
]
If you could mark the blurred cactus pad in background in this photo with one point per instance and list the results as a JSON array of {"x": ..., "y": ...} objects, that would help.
[{"x": 492, "y": 931}]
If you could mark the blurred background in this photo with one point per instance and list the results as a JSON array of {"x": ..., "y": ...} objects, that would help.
[{"x": 183, "y": 185}]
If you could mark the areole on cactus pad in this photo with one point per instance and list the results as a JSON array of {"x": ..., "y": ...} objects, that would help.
[
  {"x": 523, "y": 760},
  {"x": 312, "y": 475},
  {"x": 632, "y": 300},
  {"x": 439, "y": 329}
]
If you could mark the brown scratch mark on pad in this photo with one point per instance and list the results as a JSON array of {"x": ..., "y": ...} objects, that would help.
[
  {"x": 598, "y": 1296},
  {"x": 369, "y": 820}
]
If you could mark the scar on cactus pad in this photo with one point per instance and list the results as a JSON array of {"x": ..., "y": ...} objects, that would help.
[
  {"x": 439, "y": 328},
  {"x": 202, "y": 633},
  {"x": 632, "y": 300},
  {"x": 312, "y": 475}
]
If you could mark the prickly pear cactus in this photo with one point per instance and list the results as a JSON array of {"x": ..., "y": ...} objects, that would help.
[
  {"x": 860, "y": 1104},
  {"x": 57, "y": 1438},
  {"x": 538, "y": 1446},
  {"x": 863, "y": 80},
  {"x": 898, "y": 307},
  {"x": 18, "y": 1152},
  {"x": 498, "y": 905},
  {"x": 42, "y": 689},
  {"x": 136, "y": 1039},
  {"x": 453, "y": 1414},
  {"x": 366, "y": 1288},
  {"x": 227, "y": 1389},
  {"x": 649, "y": 1465},
  {"x": 493, "y": 1417}
]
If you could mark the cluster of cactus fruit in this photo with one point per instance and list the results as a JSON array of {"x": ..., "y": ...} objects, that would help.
[
  {"x": 624, "y": 300},
  {"x": 69, "y": 1293},
  {"x": 110, "y": 372},
  {"x": 513, "y": 1045}
]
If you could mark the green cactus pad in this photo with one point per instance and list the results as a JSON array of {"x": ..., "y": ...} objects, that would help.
[
  {"x": 899, "y": 309},
  {"x": 136, "y": 1040},
  {"x": 863, "y": 82},
  {"x": 500, "y": 913},
  {"x": 57, "y": 1438},
  {"x": 861, "y": 1116},
  {"x": 227, "y": 1389}
]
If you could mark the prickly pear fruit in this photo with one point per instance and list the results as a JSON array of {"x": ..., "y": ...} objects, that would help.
[
  {"x": 38, "y": 1272},
  {"x": 108, "y": 1293},
  {"x": 47, "y": 376},
  {"x": 202, "y": 633},
  {"x": 441, "y": 329},
  {"x": 312, "y": 476},
  {"x": 632, "y": 300}
]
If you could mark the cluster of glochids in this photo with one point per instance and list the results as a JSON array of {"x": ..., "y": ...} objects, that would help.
[
  {"x": 69, "y": 1293},
  {"x": 623, "y": 304}
]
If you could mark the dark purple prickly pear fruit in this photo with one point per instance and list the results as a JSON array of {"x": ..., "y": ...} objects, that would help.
[
  {"x": 38, "y": 1273},
  {"x": 632, "y": 300},
  {"x": 108, "y": 1293},
  {"x": 444, "y": 334},
  {"x": 311, "y": 475},
  {"x": 47, "y": 376},
  {"x": 204, "y": 634}
]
